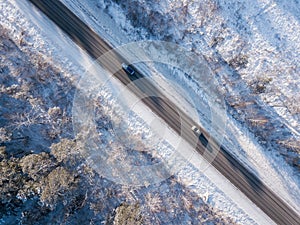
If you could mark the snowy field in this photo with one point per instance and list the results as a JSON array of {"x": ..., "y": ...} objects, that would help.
[{"x": 249, "y": 149}]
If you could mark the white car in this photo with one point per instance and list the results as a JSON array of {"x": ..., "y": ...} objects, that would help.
[{"x": 196, "y": 130}]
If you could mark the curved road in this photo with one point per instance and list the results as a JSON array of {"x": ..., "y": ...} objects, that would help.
[{"x": 233, "y": 170}]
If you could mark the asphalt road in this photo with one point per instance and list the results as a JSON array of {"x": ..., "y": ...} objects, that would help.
[{"x": 227, "y": 165}]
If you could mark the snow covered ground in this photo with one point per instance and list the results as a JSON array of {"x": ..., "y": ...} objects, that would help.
[
  {"x": 251, "y": 49},
  {"x": 196, "y": 180},
  {"x": 41, "y": 44},
  {"x": 190, "y": 176}
]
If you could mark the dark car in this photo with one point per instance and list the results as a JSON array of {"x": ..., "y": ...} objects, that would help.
[
  {"x": 201, "y": 138},
  {"x": 128, "y": 69}
]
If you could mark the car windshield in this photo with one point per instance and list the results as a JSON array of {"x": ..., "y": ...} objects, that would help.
[{"x": 130, "y": 70}]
